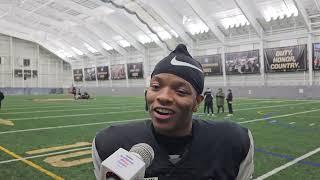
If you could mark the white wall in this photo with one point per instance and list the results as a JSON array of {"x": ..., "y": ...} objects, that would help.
[{"x": 52, "y": 71}]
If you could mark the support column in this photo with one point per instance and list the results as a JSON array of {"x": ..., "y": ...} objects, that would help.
[
  {"x": 261, "y": 61},
  {"x": 310, "y": 50},
  {"x": 12, "y": 62},
  {"x": 223, "y": 57},
  {"x": 38, "y": 66}
]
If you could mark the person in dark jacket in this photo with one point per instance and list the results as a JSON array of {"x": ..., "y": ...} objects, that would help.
[
  {"x": 1, "y": 98},
  {"x": 208, "y": 102},
  {"x": 229, "y": 102},
  {"x": 220, "y": 100},
  {"x": 185, "y": 148},
  {"x": 74, "y": 92}
]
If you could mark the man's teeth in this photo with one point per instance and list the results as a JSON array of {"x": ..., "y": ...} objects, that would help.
[{"x": 165, "y": 111}]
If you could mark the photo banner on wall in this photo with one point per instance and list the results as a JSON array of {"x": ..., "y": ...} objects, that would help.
[
  {"x": 246, "y": 62},
  {"x": 34, "y": 73},
  {"x": 118, "y": 72},
  {"x": 90, "y": 74},
  {"x": 27, "y": 73},
  {"x": 18, "y": 73},
  {"x": 316, "y": 56},
  {"x": 286, "y": 59},
  {"x": 135, "y": 70},
  {"x": 211, "y": 64},
  {"x": 77, "y": 75},
  {"x": 102, "y": 73}
]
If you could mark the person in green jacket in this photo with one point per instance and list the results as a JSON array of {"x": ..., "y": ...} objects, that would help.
[{"x": 220, "y": 100}]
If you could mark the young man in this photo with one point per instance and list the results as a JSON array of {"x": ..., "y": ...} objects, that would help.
[
  {"x": 1, "y": 98},
  {"x": 185, "y": 148},
  {"x": 74, "y": 92},
  {"x": 229, "y": 102},
  {"x": 208, "y": 104},
  {"x": 220, "y": 100}
]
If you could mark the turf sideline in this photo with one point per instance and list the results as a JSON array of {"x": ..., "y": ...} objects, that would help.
[
  {"x": 131, "y": 120},
  {"x": 117, "y": 112}
]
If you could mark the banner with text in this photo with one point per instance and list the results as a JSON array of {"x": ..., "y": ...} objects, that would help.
[
  {"x": 246, "y": 62},
  {"x": 90, "y": 74},
  {"x": 77, "y": 75},
  {"x": 211, "y": 64},
  {"x": 286, "y": 59},
  {"x": 18, "y": 73},
  {"x": 27, "y": 73},
  {"x": 135, "y": 70},
  {"x": 102, "y": 73},
  {"x": 316, "y": 56},
  {"x": 34, "y": 74},
  {"x": 118, "y": 72}
]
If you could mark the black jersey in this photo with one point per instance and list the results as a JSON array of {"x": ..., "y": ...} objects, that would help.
[{"x": 218, "y": 150}]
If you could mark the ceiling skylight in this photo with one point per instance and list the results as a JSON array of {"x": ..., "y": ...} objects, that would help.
[
  {"x": 105, "y": 45},
  {"x": 124, "y": 43},
  {"x": 234, "y": 21},
  {"x": 90, "y": 48},
  {"x": 80, "y": 53},
  {"x": 281, "y": 11},
  {"x": 144, "y": 39},
  {"x": 194, "y": 26}
]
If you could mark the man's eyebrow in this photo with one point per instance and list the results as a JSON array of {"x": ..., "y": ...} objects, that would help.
[
  {"x": 183, "y": 84},
  {"x": 156, "y": 78}
]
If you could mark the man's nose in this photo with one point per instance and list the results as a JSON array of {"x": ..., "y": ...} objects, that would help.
[{"x": 165, "y": 96}]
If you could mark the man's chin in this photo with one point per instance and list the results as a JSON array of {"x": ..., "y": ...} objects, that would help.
[{"x": 162, "y": 126}]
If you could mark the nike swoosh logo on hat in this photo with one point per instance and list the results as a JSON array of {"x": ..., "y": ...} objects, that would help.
[{"x": 175, "y": 62}]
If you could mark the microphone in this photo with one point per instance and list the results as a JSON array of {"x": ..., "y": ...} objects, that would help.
[{"x": 127, "y": 165}]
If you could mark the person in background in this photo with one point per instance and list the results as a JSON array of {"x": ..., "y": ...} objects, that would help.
[
  {"x": 145, "y": 99},
  {"x": 185, "y": 147},
  {"x": 1, "y": 98},
  {"x": 220, "y": 100},
  {"x": 74, "y": 92},
  {"x": 229, "y": 102},
  {"x": 208, "y": 102}
]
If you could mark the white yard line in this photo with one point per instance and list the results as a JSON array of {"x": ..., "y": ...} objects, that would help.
[
  {"x": 45, "y": 106},
  {"x": 273, "y": 117},
  {"x": 312, "y": 124},
  {"x": 117, "y": 112},
  {"x": 82, "y": 105},
  {"x": 280, "y": 168},
  {"x": 70, "y": 126},
  {"x": 66, "y": 110},
  {"x": 259, "y": 99},
  {"x": 44, "y": 155},
  {"x": 74, "y": 115},
  {"x": 129, "y": 120}
]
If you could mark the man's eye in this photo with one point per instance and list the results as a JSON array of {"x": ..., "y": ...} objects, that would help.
[
  {"x": 182, "y": 91},
  {"x": 155, "y": 86}
]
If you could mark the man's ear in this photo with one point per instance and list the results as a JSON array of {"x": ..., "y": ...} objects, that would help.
[{"x": 199, "y": 99}]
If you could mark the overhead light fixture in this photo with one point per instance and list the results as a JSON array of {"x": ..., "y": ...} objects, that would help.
[
  {"x": 90, "y": 48},
  {"x": 144, "y": 39},
  {"x": 80, "y": 53},
  {"x": 175, "y": 34},
  {"x": 163, "y": 34},
  {"x": 234, "y": 21},
  {"x": 124, "y": 43},
  {"x": 105, "y": 45},
  {"x": 62, "y": 53},
  {"x": 195, "y": 26},
  {"x": 280, "y": 12}
]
